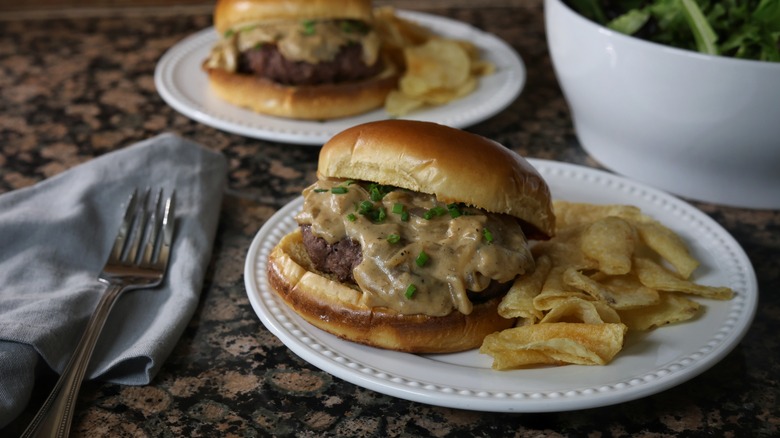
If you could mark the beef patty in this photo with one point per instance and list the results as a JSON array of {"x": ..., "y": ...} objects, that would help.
[
  {"x": 268, "y": 62},
  {"x": 340, "y": 259}
]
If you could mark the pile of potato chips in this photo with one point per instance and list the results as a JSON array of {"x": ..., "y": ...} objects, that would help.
[
  {"x": 437, "y": 70},
  {"x": 609, "y": 269}
]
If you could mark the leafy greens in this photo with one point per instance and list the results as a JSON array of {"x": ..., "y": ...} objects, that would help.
[{"x": 748, "y": 29}]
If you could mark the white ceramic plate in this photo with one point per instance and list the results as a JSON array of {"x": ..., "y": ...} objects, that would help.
[
  {"x": 648, "y": 363},
  {"x": 184, "y": 86}
]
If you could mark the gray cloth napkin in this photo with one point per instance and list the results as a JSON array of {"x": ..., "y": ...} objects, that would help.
[{"x": 55, "y": 237}]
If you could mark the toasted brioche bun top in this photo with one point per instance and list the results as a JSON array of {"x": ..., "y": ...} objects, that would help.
[
  {"x": 229, "y": 13},
  {"x": 453, "y": 165}
]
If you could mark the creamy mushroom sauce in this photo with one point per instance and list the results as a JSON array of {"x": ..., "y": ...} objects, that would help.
[
  {"x": 460, "y": 258},
  {"x": 304, "y": 40}
]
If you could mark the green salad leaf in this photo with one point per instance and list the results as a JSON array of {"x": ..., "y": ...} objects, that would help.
[{"x": 748, "y": 29}]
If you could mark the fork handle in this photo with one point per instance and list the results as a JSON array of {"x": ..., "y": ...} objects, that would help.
[{"x": 55, "y": 416}]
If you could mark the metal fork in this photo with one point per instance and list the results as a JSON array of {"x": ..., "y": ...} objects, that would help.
[{"x": 138, "y": 260}]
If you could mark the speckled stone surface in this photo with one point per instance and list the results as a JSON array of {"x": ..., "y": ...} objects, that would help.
[{"x": 74, "y": 88}]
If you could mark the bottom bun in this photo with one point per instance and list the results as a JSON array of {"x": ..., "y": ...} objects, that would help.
[
  {"x": 336, "y": 308},
  {"x": 316, "y": 102}
]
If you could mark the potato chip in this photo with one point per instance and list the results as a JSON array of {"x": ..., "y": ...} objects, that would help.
[
  {"x": 441, "y": 96},
  {"x": 653, "y": 275},
  {"x": 568, "y": 214},
  {"x": 610, "y": 241},
  {"x": 480, "y": 67},
  {"x": 671, "y": 308},
  {"x": 576, "y": 309},
  {"x": 549, "y": 299},
  {"x": 605, "y": 272},
  {"x": 519, "y": 300},
  {"x": 557, "y": 343},
  {"x": 397, "y": 33},
  {"x": 554, "y": 290},
  {"x": 512, "y": 357},
  {"x": 437, "y": 70},
  {"x": 437, "y": 64},
  {"x": 398, "y": 103},
  {"x": 565, "y": 250},
  {"x": 619, "y": 291},
  {"x": 668, "y": 245}
]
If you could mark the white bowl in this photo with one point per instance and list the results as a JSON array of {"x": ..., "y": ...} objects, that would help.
[{"x": 700, "y": 126}]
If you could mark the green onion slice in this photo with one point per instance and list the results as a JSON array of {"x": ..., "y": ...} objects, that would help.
[
  {"x": 410, "y": 291},
  {"x": 422, "y": 259},
  {"x": 308, "y": 27},
  {"x": 365, "y": 207},
  {"x": 435, "y": 211},
  {"x": 487, "y": 235}
]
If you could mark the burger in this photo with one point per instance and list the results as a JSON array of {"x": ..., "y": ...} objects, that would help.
[
  {"x": 299, "y": 59},
  {"x": 411, "y": 236}
]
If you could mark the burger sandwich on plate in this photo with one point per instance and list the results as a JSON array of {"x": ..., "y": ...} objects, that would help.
[
  {"x": 301, "y": 59},
  {"x": 411, "y": 236}
]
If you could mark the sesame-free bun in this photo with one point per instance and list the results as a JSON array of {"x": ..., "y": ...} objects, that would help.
[
  {"x": 450, "y": 163},
  {"x": 314, "y": 102},
  {"x": 338, "y": 309},
  {"x": 229, "y": 13}
]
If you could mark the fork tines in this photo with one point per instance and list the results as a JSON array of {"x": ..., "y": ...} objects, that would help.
[{"x": 139, "y": 240}]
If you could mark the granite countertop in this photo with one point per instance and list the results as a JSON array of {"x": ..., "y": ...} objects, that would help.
[{"x": 79, "y": 85}]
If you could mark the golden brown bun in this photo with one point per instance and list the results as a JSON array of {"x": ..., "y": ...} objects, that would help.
[
  {"x": 452, "y": 164},
  {"x": 229, "y": 13},
  {"x": 321, "y": 102},
  {"x": 337, "y": 309}
]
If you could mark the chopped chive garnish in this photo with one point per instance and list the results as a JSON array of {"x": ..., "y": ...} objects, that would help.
[
  {"x": 338, "y": 190},
  {"x": 410, "y": 291},
  {"x": 320, "y": 190},
  {"x": 487, "y": 235},
  {"x": 375, "y": 194},
  {"x": 405, "y": 216},
  {"x": 454, "y": 210},
  {"x": 398, "y": 208},
  {"x": 378, "y": 191},
  {"x": 353, "y": 26},
  {"x": 229, "y": 33},
  {"x": 393, "y": 238},
  {"x": 435, "y": 211},
  {"x": 422, "y": 259},
  {"x": 365, "y": 207},
  {"x": 351, "y": 217},
  {"x": 308, "y": 27}
]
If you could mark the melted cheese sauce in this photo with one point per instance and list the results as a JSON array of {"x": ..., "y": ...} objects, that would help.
[
  {"x": 460, "y": 258},
  {"x": 311, "y": 42}
]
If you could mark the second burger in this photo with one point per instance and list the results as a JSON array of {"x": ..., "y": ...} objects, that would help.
[{"x": 299, "y": 59}]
